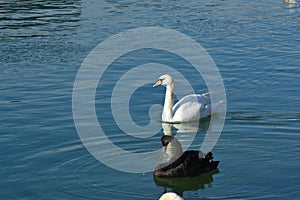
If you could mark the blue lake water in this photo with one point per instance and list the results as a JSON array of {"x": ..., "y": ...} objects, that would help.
[{"x": 255, "y": 45}]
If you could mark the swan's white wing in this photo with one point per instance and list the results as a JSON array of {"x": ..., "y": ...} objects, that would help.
[
  {"x": 188, "y": 111},
  {"x": 193, "y": 107},
  {"x": 196, "y": 98}
]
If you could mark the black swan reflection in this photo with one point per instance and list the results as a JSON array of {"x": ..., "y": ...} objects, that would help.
[
  {"x": 184, "y": 164},
  {"x": 182, "y": 184}
]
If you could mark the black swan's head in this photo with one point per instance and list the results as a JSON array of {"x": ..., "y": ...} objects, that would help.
[{"x": 166, "y": 139}]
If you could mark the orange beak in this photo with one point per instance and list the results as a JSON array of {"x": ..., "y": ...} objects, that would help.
[{"x": 158, "y": 83}]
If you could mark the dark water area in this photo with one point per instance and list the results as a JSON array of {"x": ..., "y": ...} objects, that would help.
[{"x": 255, "y": 45}]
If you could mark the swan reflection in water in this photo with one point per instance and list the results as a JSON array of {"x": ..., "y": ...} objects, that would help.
[
  {"x": 180, "y": 185},
  {"x": 182, "y": 171}
]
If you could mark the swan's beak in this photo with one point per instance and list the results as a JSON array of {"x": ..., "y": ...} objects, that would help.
[
  {"x": 158, "y": 83},
  {"x": 164, "y": 148}
]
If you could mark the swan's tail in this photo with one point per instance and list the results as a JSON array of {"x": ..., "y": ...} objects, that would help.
[
  {"x": 215, "y": 106},
  {"x": 209, "y": 156},
  {"x": 207, "y": 94}
]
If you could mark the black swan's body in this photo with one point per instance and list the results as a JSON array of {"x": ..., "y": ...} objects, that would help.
[{"x": 189, "y": 163}]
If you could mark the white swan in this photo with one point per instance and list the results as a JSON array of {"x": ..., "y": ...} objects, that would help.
[
  {"x": 170, "y": 196},
  {"x": 189, "y": 108}
]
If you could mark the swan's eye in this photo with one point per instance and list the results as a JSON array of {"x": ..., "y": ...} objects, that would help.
[{"x": 161, "y": 80}]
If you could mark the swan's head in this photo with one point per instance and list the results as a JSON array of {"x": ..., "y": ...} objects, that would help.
[
  {"x": 164, "y": 80},
  {"x": 165, "y": 141},
  {"x": 170, "y": 196}
]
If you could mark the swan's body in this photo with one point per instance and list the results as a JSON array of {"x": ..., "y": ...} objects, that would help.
[
  {"x": 189, "y": 108},
  {"x": 170, "y": 196},
  {"x": 184, "y": 164}
]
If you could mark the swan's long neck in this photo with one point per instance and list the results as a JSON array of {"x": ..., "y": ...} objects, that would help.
[{"x": 167, "y": 115}]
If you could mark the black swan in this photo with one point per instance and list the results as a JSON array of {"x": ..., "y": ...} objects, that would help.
[{"x": 184, "y": 164}]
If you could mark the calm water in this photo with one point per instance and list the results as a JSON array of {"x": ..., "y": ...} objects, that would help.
[{"x": 255, "y": 44}]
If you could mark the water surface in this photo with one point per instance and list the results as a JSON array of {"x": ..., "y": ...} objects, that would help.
[{"x": 255, "y": 45}]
